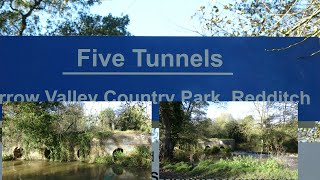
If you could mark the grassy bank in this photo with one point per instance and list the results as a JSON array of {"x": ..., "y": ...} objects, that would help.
[{"x": 236, "y": 167}]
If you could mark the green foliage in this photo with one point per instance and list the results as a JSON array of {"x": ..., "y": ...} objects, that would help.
[
  {"x": 108, "y": 160},
  {"x": 133, "y": 117},
  {"x": 178, "y": 121},
  {"x": 181, "y": 155},
  {"x": 102, "y": 134},
  {"x": 274, "y": 131},
  {"x": 62, "y": 147},
  {"x": 59, "y": 127},
  {"x": 46, "y": 17},
  {"x": 19, "y": 17},
  {"x": 237, "y": 167},
  {"x": 140, "y": 158},
  {"x": 107, "y": 119},
  {"x": 181, "y": 167},
  {"x": 212, "y": 150},
  {"x": 226, "y": 150},
  {"x": 94, "y": 25},
  {"x": 7, "y": 158},
  {"x": 198, "y": 154}
]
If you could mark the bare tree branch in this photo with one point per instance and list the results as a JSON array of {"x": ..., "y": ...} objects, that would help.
[
  {"x": 298, "y": 25},
  {"x": 297, "y": 43}
]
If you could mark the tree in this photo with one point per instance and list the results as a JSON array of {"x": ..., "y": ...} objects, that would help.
[
  {"x": 133, "y": 117},
  {"x": 219, "y": 126},
  {"x": 178, "y": 121},
  {"x": 23, "y": 17},
  {"x": 94, "y": 25},
  {"x": 107, "y": 118},
  {"x": 30, "y": 122},
  {"x": 263, "y": 109},
  {"x": 299, "y": 18},
  {"x": 261, "y": 18},
  {"x": 249, "y": 128},
  {"x": 72, "y": 118},
  {"x": 171, "y": 118}
]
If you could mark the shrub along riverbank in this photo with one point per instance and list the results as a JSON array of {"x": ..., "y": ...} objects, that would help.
[{"x": 140, "y": 158}]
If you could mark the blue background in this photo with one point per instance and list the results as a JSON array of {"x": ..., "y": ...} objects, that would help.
[{"x": 35, "y": 64}]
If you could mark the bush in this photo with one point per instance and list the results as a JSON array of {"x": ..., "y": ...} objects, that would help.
[
  {"x": 140, "y": 158},
  {"x": 7, "y": 158},
  {"x": 198, "y": 155},
  {"x": 226, "y": 150},
  {"x": 212, "y": 151},
  {"x": 180, "y": 155},
  {"x": 291, "y": 145},
  {"x": 105, "y": 160}
]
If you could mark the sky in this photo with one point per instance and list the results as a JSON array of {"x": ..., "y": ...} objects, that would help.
[
  {"x": 94, "y": 108},
  {"x": 161, "y": 18},
  {"x": 238, "y": 109},
  {"x": 154, "y": 17},
  {"x": 166, "y": 18}
]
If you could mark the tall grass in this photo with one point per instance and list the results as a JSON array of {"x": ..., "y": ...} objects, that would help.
[{"x": 237, "y": 167}]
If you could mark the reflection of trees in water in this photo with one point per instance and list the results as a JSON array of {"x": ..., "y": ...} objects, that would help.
[
  {"x": 78, "y": 170},
  {"x": 118, "y": 170}
]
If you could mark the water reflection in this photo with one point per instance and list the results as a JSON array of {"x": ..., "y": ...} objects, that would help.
[{"x": 38, "y": 170}]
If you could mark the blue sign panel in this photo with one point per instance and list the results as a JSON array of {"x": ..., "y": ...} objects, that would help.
[{"x": 161, "y": 69}]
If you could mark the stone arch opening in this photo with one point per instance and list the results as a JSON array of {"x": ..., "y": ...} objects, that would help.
[
  {"x": 81, "y": 153},
  {"x": 46, "y": 153},
  {"x": 116, "y": 153},
  {"x": 18, "y": 152},
  {"x": 78, "y": 153},
  {"x": 221, "y": 147}
]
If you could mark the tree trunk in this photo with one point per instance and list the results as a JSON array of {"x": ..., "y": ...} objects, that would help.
[{"x": 168, "y": 145}]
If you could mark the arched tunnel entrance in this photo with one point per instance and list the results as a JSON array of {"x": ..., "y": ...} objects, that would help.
[
  {"x": 18, "y": 152},
  {"x": 116, "y": 153},
  {"x": 46, "y": 153},
  {"x": 82, "y": 153}
]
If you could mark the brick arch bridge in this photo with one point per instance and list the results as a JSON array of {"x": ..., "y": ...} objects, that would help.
[{"x": 126, "y": 141}]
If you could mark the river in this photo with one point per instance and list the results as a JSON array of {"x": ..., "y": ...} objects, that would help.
[{"x": 45, "y": 170}]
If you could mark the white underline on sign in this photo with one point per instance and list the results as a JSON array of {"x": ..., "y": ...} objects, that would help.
[{"x": 147, "y": 73}]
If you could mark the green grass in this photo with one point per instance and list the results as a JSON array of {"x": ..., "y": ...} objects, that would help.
[
  {"x": 108, "y": 160},
  {"x": 237, "y": 167},
  {"x": 181, "y": 167},
  {"x": 7, "y": 158}
]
